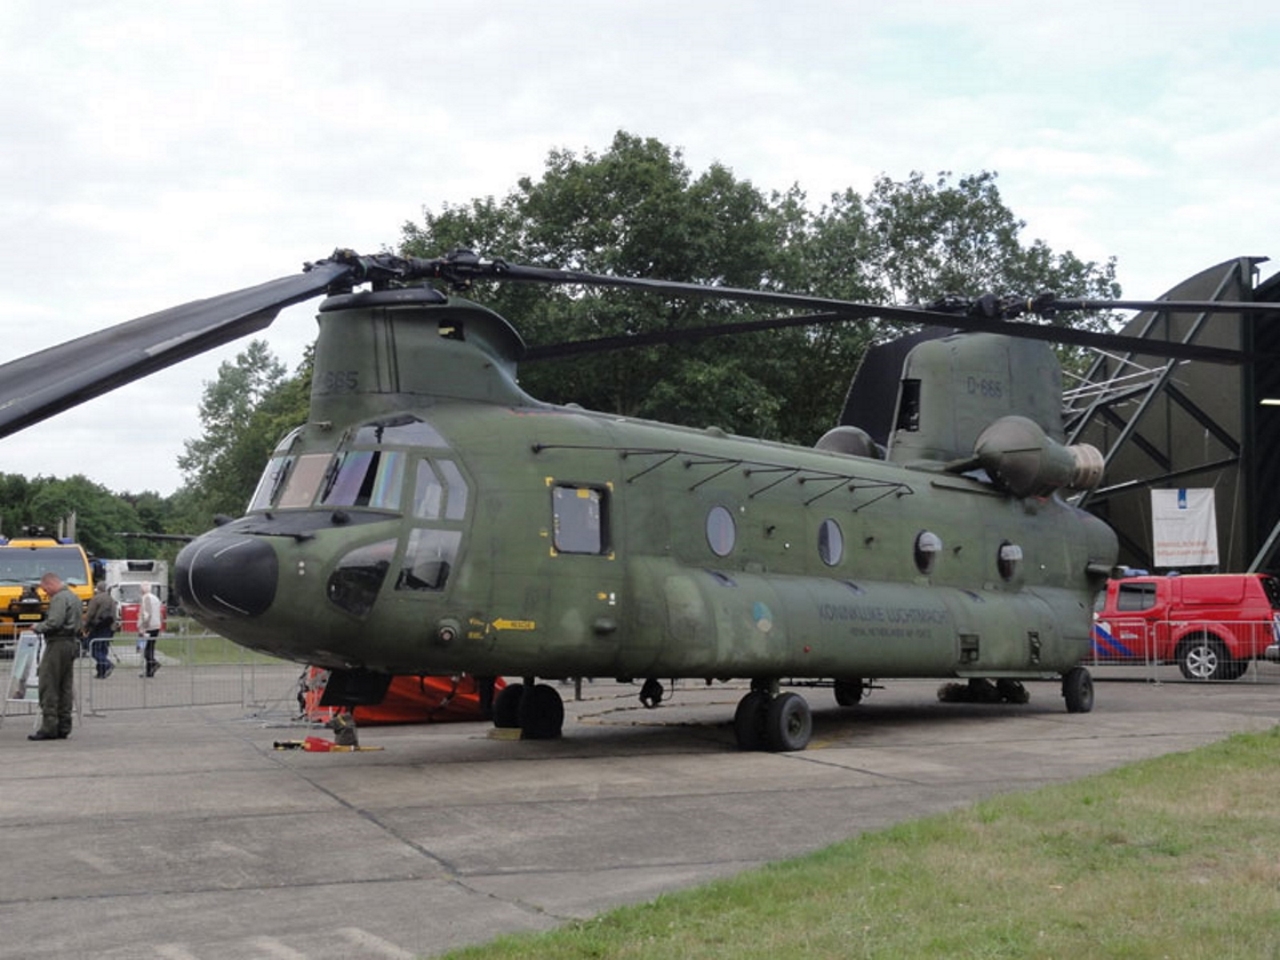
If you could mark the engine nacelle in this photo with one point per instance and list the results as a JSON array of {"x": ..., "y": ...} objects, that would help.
[{"x": 1021, "y": 458}]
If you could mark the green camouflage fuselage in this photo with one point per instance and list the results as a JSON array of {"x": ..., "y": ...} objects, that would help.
[{"x": 431, "y": 518}]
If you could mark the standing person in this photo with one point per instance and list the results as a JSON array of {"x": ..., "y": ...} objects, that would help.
[
  {"x": 100, "y": 627},
  {"x": 149, "y": 628},
  {"x": 59, "y": 628}
]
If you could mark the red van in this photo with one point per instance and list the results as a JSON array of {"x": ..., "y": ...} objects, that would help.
[{"x": 1210, "y": 625}]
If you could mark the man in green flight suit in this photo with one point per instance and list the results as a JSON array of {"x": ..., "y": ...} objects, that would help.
[{"x": 59, "y": 627}]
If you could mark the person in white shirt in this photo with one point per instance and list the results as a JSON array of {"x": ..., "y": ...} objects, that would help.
[{"x": 149, "y": 629}]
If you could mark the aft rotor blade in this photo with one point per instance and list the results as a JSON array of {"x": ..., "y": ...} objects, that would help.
[
  {"x": 1168, "y": 306},
  {"x": 468, "y": 268},
  {"x": 1053, "y": 334},
  {"x": 55, "y": 379}
]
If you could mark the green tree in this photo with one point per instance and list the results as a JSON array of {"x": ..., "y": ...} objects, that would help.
[
  {"x": 637, "y": 210},
  {"x": 100, "y": 515},
  {"x": 15, "y": 505},
  {"x": 245, "y": 412},
  {"x": 945, "y": 238}
]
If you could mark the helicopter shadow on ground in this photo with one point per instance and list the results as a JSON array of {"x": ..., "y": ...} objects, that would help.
[{"x": 703, "y": 720}]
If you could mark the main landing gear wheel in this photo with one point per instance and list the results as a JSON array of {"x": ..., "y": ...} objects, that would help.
[
  {"x": 536, "y": 709},
  {"x": 848, "y": 692},
  {"x": 780, "y": 724},
  {"x": 749, "y": 720},
  {"x": 790, "y": 724},
  {"x": 1077, "y": 690}
]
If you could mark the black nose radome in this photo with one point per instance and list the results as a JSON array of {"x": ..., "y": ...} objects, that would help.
[{"x": 227, "y": 576}]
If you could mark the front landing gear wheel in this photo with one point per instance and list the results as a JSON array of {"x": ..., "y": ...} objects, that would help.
[{"x": 1077, "y": 690}]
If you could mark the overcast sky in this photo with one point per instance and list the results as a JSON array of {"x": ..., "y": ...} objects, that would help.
[{"x": 158, "y": 152}]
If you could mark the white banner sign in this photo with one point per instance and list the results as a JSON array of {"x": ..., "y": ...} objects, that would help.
[{"x": 1184, "y": 528}]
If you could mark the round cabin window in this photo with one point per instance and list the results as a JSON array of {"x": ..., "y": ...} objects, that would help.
[
  {"x": 830, "y": 542},
  {"x": 722, "y": 533},
  {"x": 928, "y": 546},
  {"x": 1009, "y": 559}
]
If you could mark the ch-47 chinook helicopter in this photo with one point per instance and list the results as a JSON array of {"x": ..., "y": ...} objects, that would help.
[{"x": 431, "y": 518}]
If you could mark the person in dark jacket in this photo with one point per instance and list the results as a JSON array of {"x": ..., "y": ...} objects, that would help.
[
  {"x": 60, "y": 629},
  {"x": 99, "y": 628}
]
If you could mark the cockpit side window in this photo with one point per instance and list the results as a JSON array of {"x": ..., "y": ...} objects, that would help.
[
  {"x": 428, "y": 557},
  {"x": 455, "y": 501},
  {"x": 355, "y": 582},
  {"x": 272, "y": 482},
  {"x": 428, "y": 492}
]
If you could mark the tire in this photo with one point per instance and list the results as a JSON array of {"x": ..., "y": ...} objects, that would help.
[
  {"x": 506, "y": 706},
  {"x": 1077, "y": 690},
  {"x": 1204, "y": 658},
  {"x": 749, "y": 720},
  {"x": 542, "y": 714},
  {"x": 789, "y": 724},
  {"x": 1234, "y": 669},
  {"x": 848, "y": 692}
]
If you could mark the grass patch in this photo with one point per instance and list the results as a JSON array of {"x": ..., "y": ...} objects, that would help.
[{"x": 1173, "y": 857}]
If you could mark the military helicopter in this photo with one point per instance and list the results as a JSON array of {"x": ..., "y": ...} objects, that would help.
[{"x": 431, "y": 518}]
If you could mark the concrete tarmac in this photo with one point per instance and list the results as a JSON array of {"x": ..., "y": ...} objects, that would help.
[{"x": 182, "y": 834}]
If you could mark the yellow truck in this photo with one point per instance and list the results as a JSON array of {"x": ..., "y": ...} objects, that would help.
[{"x": 23, "y": 561}]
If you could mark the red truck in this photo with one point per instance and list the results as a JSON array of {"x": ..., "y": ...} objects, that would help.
[{"x": 1210, "y": 625}]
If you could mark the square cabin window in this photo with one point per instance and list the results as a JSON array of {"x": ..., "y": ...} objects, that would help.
[{"x": 578, "y": 521}]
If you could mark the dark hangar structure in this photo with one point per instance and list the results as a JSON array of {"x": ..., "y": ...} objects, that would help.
[{"x": 1171, "y": 424}]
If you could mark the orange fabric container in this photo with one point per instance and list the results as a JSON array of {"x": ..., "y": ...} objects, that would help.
[{"x": 408, "y": 700}]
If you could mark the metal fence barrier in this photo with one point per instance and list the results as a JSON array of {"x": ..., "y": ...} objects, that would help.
[
  {"x": 1190, "y": 650},
  {"x": 203, "y": 669},
  {"x": 196, "y": 668}
]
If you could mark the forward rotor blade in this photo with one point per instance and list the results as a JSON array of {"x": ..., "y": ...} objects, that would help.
[{"x": 55, "y": 379}]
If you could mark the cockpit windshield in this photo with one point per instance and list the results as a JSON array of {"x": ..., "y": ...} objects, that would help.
[
  {"x": 363, "y": 473},
  {"x": 365, "y": 478},
  {"x": 406, "y": 431}
]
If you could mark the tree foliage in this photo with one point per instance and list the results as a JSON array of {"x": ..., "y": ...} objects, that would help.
[
  {"x": 244, "y": 412},
  {"x": 101, "y": 517},
  {"x": 638, "y": 210}
]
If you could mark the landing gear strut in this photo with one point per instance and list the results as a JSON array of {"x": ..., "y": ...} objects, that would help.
[
  {"x": 535, "y": 708},
  {"x": 651, "y": 693},
  {"x": 768, "y": 720}
]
